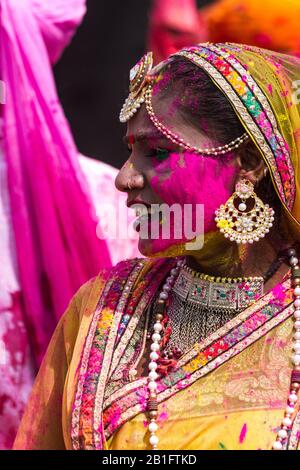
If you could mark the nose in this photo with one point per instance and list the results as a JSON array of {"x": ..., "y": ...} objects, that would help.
[{"x": 129, "y": 178}]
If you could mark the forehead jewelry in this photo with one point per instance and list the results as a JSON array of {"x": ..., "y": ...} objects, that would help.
[
  {"x": 141, "y": 87},
  {"x": 138, "y": 78}
]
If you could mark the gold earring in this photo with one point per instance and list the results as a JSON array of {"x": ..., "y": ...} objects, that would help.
[{"x": 244, "y": 218}]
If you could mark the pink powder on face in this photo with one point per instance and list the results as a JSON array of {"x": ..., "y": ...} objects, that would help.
[
  {"x": 172, "y": 108},
  {"x": 188, "y": 178}
]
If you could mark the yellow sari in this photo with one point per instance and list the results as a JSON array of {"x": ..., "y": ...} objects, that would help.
[{"x": 230, "y": 390}]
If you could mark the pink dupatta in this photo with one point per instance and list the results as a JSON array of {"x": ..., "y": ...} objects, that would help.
[{"x": 53, "y": 219}]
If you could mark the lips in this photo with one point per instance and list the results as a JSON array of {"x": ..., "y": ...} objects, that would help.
[{"x": 146, "y": 214}]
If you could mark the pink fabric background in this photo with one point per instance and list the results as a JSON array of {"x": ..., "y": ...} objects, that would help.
[{"x": 53, "y": 219}]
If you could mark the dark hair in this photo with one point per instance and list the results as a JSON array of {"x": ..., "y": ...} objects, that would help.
[
  {"x": 204, "y": 106},
  {"x": 201, "y": 102}
]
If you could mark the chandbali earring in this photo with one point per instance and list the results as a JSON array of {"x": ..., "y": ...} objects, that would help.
[{"x": 244, "y": 218}]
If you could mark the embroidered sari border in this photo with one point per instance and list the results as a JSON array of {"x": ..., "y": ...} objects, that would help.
[
  {"x": 106, "y": 362},
  {"x": 293, "y": 441},
  {"x": 233, "y": 61},
  {"x": 83, "y": 368},
  {"x": 160, "y": 271},
  {"x": 231, "y": 352},
  {"x": 130, "y": 387},
  {"x": 84, "y": 360}
]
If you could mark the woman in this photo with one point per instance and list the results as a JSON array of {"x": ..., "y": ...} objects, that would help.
[{"x": 173, "y": 352}]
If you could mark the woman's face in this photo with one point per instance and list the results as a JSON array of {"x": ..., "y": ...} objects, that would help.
[{"x": 157, "y": 171}]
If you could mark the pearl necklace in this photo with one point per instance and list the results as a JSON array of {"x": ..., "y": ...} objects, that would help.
[{"x": 152, "y": 404}]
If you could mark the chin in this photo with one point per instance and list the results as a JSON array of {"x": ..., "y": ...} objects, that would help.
[{"x": 161, "y": 248}]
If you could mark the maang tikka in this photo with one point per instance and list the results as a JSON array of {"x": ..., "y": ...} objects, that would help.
[{"x": 244, "y": 218}]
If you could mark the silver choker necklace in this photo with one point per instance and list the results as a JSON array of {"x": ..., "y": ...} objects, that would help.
[
  {"x": 208, "y": 291},
  {"x": 200, "y": 305}
]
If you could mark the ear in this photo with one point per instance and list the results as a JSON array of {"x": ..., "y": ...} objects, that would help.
[{"x": 251, "y": 163}]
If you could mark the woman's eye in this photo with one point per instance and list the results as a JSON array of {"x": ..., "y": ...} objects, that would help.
[{"x": 160, "y": 154}]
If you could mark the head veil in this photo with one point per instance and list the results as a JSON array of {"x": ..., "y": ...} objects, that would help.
[{"x": 263, "y": 88}]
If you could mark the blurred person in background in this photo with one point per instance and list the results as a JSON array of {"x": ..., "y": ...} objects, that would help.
[{"x": 272, "y": 24}]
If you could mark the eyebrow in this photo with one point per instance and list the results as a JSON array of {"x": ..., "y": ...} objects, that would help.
[{"x": 131, "y": 139}]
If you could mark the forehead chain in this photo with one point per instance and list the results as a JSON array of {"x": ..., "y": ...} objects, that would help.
[
  {"x": 176, "y": 139},
  {"x": 141, "y": 88}
]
